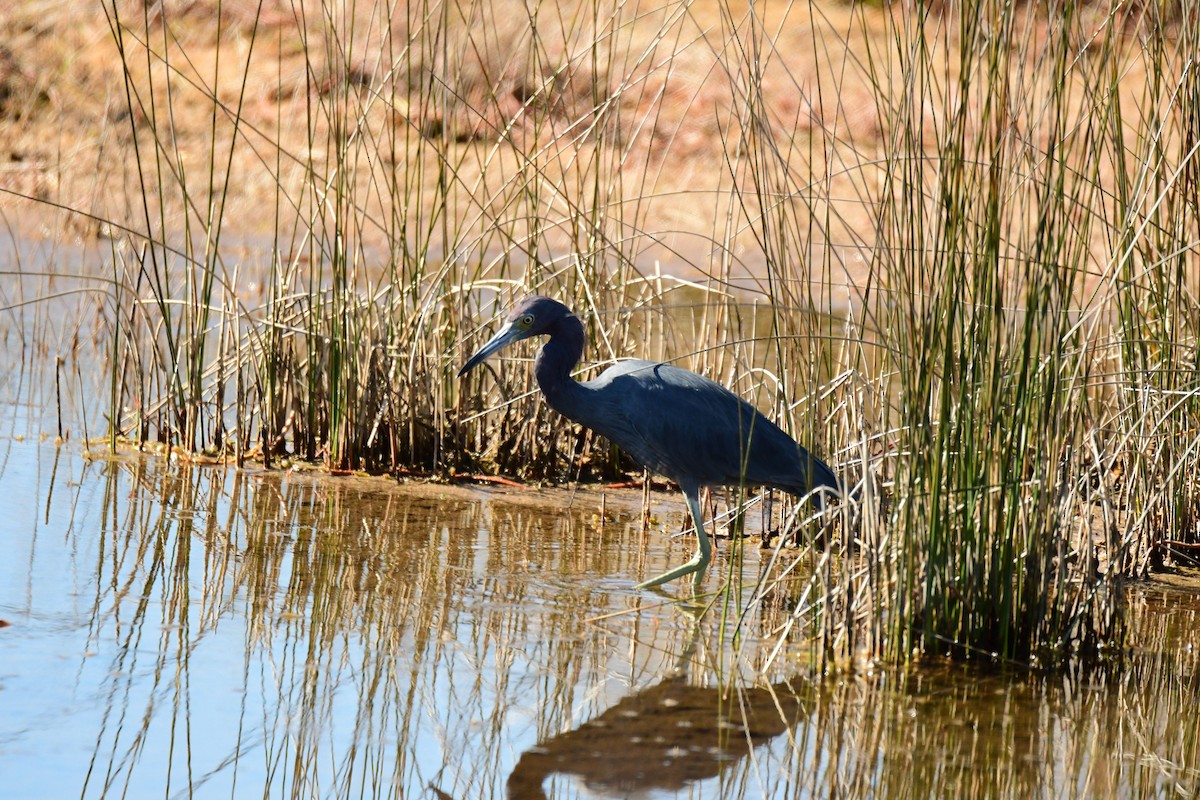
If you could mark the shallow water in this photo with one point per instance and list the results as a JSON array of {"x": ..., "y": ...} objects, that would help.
[{"x": 179, "y": 630}]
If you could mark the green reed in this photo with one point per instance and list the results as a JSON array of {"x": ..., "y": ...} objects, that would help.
[
  {"x": 1021, "y": 453},
  {"x": 987, "y": 356}
]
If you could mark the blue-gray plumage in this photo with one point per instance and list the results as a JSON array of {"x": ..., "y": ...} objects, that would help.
[{"x": 675, "y": 422}]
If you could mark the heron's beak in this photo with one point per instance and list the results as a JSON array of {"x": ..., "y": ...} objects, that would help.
[{"x": 507, "y": 335}]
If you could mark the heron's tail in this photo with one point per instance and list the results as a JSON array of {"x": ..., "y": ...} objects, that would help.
[
  {"x": 820, "y": 481},
  {"x": 820, "y": 475}
]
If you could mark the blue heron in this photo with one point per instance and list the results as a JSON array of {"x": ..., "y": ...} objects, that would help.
[{"x": 674, "y": 422}]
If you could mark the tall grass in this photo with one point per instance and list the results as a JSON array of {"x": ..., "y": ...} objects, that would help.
[
  {"x": 1035, "y": 382},
  {"x": 954, "y": 251},
  {"x": 986, "y": 255}
]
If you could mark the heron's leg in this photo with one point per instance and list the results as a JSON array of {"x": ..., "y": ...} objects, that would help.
[{"x": 699, "y": 562}]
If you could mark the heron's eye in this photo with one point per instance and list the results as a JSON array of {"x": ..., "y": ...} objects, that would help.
[{"x": 527, "y": 321}]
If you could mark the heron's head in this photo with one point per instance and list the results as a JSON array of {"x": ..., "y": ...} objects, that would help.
[{"x": 533, "y": 316}]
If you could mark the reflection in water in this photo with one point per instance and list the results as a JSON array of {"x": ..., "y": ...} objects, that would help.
[
  {"x": 208, "y": 632},
  {"x": 665, "y": 737}
]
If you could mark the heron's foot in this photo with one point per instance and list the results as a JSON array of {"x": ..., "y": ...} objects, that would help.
[{"x": 695, "y": 568}]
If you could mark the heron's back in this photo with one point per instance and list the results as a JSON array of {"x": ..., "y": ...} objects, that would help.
[{"x": 693, "y": 430}]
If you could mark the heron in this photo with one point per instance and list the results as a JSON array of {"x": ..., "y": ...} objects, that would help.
[{"x": 674, "y": 422}]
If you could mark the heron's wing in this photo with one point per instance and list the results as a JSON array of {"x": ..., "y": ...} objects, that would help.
[{"x": 691, "y": 429}]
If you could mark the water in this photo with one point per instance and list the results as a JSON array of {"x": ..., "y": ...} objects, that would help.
[{"x": 178, "y": 630}]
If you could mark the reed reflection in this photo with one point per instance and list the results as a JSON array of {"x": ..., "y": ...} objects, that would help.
[
  {"x": 325, "y": 636},
  {"x": 204, "y": 631}
]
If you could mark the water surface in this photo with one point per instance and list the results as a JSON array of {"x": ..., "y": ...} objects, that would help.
[{"x": 185, "y": 630}]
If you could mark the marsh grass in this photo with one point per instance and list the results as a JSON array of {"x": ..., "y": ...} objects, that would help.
[
  {"x": 1035, "y": 348},
  {"x": 954, "y": 251}
]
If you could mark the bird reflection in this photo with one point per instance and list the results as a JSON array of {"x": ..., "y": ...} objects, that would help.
[
  {"x": 662, "y": 738},
  {"x": 666, "y": 736}
]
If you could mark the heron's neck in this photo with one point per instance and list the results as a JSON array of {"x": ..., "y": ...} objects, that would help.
[{"x": 554, "y": 364}]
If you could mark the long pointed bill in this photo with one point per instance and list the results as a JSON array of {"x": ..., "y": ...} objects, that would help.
[{"x": 507, "y": 335}]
